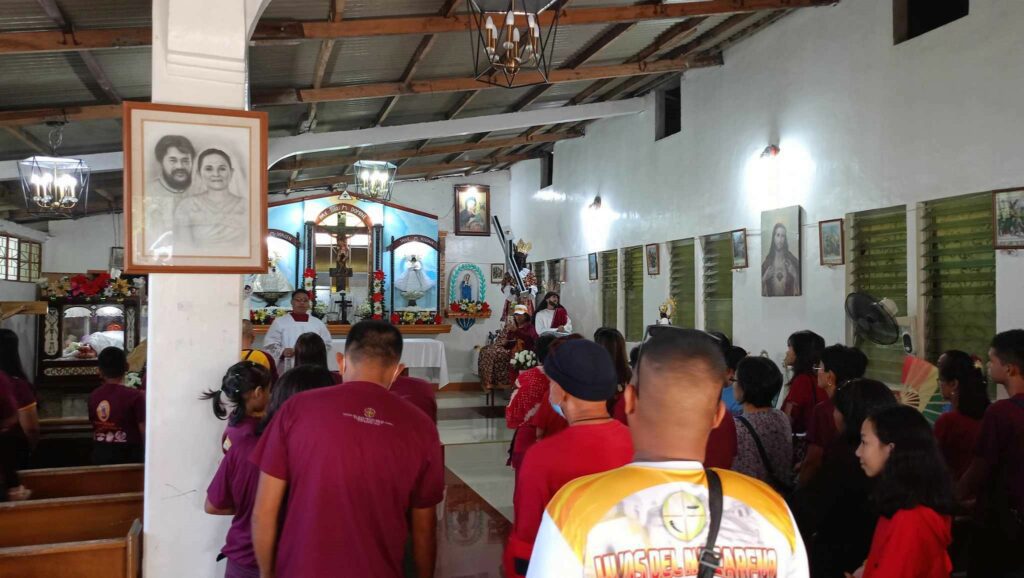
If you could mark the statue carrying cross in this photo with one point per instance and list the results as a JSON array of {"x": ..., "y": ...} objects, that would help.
[{"x": 340, "y": 273}]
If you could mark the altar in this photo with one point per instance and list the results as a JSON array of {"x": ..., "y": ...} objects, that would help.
[{"x": 417, "y": 353}]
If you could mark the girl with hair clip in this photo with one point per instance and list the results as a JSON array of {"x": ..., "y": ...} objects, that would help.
[
  {"x": 963, "y": 384},
  {"x": 246, "y": 385},
  {"x": 232, "y": 491},
  {"x": 913, "y": 494}
]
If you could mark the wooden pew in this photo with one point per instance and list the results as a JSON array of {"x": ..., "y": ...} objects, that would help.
[
  {"x": 109, "y": 558},
  {"x": 83, "y": 481},
  {"x": 36, "y": 522},
  {"x": 64, "y": 442}
]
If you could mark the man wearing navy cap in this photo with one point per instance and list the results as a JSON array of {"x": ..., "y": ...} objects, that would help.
[{"x": 583, "y": 379}]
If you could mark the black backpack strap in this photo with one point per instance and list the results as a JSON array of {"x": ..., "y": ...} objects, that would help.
[
  {"x": 775, "y": 481},
  {"x": 709, "y": 561}
]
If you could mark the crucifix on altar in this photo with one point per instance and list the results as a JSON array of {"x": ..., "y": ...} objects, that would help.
[{"x": 341, "y": 273}]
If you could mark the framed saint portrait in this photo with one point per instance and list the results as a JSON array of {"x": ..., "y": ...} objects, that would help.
[
  {"x": 780, "y": 252},
  {"x": 739, "y": 249},
  {"x": 832, "y": 242},
  {"x": 592, "y": 266},
  {"x": 473, "y": 210},
  {"x": 1008, "y": 219},
  {"x": 653, "y": 258},
  {"x": 497, "y": 273},
  {"x": 195, "y": 182}
]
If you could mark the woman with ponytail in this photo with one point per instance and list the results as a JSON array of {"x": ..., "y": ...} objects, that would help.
[
  {"x": 246, "y": 386},
  {"x": 963, "y": 384}
]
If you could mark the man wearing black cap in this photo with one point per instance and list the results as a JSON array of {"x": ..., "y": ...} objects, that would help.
[
  {"x": 583, "y": 379},
  {"x": 658, "y": 516}
]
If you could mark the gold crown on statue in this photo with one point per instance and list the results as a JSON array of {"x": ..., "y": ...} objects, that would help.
[{"x": 523, "y": 247}]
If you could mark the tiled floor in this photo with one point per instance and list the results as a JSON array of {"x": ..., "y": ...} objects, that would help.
[{"x": 477, "y": 511}]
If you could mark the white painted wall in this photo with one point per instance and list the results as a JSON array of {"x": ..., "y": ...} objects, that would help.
[
  {"x": 83, "y": 244},
  {"x": 862, "y": 124}
]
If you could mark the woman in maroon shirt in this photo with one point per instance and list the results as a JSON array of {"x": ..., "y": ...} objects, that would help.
[
  {"x": 248, "y": 390},
  {"x": 914, "y": 496},
  {"x": 802, "y": 356},
  {"x": 26, "y": 431},
  {"x": 963, "y": 384},
  {"x": 614, "y": 342}
]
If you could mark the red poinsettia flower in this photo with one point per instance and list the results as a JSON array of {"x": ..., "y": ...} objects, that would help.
[
  {"x": 377, "y": 297},
  {"x": 309, "y": 273},
  {"x": 485, "y": 306},
  {"x": 376, "y": 316},
  {"x": 455, "y": 308},
  {"x": 437, "y": 320},
  {"x": 378, "y": 275},
  {"x": 394, "y": 319}
]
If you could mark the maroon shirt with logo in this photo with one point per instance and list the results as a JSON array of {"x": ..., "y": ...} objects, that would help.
[
  {"x": 116, "y": 411},
  {"x": 356, "y": 459},
  {"x": 234, "y": 487}
]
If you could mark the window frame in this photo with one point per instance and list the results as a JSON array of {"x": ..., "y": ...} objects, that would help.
[{"x": 33, "y": 263}]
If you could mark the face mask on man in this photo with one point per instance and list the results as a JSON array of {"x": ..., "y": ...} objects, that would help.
[{"x": 557, "y": 408}]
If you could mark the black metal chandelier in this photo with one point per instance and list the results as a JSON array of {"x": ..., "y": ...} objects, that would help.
[{"x": 510, "y": 49}]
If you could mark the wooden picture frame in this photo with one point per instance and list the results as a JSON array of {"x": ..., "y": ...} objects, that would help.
[
  {"x": 592, "y": 267},
  {"x": 652, "y": 259},
  {"x": 832, "y": 242},
  {"x": 497, "y": 273},
  {"x": 1008, "y": 219},
  {"x": 472, "y": 210},
  {"x": 202, "y": 206},
  {"x": 740, "y": 255},
  {"x": 781, "y": 254}
]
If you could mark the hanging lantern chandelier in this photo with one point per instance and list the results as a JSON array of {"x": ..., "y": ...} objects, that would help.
[
  {"x": 510, "y": 47},
  {"x": 53, "y": 186},
  {"x": 375, "y": 179}
]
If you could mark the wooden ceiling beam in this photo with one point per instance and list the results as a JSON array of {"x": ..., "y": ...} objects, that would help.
[
  {"x": 289, "y": 164},
  {"x": 28, "y": 140},
  {"x": 53, "y": 12},
  {"x": 40, "y": 115},
  {"x": 275, "y": 32}
]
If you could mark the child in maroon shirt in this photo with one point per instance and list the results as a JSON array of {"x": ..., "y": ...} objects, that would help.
[
  {"x": 913, "y": 494},
  {"x": 839, "y": 364},
  {"x": 117, "y": 413},
  {"x": 957, "y": 431},
  {"x": 233, "y": 489},
  {"x": 804, "y": 353},
  {"x": 583, "y": 379}
]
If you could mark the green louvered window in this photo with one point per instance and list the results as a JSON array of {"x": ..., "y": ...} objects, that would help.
[
  {"x": 682, "y": 283},
  {"x": 610, "y": 288},
  {"x": 959, "y": 275},
  {"x": 633, "y": 287},
  {"x": 878, "y": 260},
  {"x": 718, "y": 283}
]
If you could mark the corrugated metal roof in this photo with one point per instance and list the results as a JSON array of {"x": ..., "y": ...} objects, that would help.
[
  {"x": 297, "y": 10},
  {"x": 41, "y": 79},
  {"x": 106, "y": 13},
  {"x": 348, "y": 114},
  {"x": 83, "y": 137},
  {"x": 12, "y": 148},
  {"x": 283, "y": 66},
  {"x": 633, "y": 41},
  {"x": 24, "y": 15},
  {"x": 129, "y": 69},
  {"x": 377, "y": 8},
  {"x": 371, "y": 59},
  {"x": 495, "y": 100},
  {"x": 284, "y": 120},
  {"x": 417, "y": 105}
]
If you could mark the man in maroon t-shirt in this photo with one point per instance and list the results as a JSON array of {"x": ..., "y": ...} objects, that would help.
[
  {"x": 117, "y": 413},
  {"x": 996, "y": 476},
  {"x": 418, "y": 392},
  {"x": 357, "y": 464},
  {"x": 583, "y": 379}
]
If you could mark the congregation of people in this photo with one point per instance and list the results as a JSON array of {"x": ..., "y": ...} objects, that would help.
[{"x": 685, "y": 439}]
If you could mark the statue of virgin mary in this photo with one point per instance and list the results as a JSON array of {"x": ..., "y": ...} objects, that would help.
[{"x": 413, "y": 284}]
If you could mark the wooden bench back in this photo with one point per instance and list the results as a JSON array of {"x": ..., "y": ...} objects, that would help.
[
  {"x": 83, "y": 481},
  {"x": 110, "y": 558},
  {"x": 54, "y": 520}
]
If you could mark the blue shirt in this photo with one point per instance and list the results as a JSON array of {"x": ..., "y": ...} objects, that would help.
[{"x": 729, "y": 399}]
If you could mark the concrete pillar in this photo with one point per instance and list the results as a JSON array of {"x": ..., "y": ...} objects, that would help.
[{"x": 199, "y": 58}]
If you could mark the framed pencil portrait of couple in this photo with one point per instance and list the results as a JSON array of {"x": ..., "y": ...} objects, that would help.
[{"x": 195, "y": 182}]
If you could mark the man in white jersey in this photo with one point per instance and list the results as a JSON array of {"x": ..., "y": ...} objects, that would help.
[{"x": 652, "y": 518}]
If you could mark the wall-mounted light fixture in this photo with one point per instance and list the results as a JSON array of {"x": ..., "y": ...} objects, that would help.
[
  {"x": 771, "y": 151},
  {"x": 596, "y": 204}
]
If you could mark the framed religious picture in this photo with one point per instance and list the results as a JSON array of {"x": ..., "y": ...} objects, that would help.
[
  {"x": 739, "y": 249},
  {"x": 1008, "y": 219},
  {"x": 195, "y": 182},
  {"x": 497, "y": 272},
  {"x": 780, "y": 252},
  {"x": 473, "y": 210},
  {"x": 592, "y": 266},
  {"x": 832, "y": 242},
  {"x": 653, "y": 259}
]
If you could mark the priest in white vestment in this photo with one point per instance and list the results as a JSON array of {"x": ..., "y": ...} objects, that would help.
[
  {"x": 280, "y": 339},
  {"x": 551, "y": 317}
]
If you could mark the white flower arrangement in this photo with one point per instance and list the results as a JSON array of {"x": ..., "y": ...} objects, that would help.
[
  {"x": 133, "y": 379},
  {"x": 524, "y": 360}
]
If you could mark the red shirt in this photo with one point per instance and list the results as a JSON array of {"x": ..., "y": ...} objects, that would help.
[
  {"x": 553, "y": 462},
  {"x": 957, "y": 435},
  {"x": 530, "y": 393},
  {"x": 1001, "y": 445},
  {"x": 803, "y": 395},
  {"x": 116, "y": 411},
  {"x": 418, "y": 392},
  {"x": 722, "y": 445},
  {"x": 912, "y": 544},
  {"x": 356, "y": 459},
  {"x": 234, "y": 486},
  {"x": 822, "y": 429}
]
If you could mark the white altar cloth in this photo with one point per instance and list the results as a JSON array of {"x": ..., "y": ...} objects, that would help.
[{"x": 416, "y": 353}]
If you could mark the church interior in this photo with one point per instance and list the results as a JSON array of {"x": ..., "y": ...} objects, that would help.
[{"x": 753, "y": 168}]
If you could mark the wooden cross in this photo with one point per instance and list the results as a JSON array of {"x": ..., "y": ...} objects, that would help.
[{"x": 344, "y": 304}]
